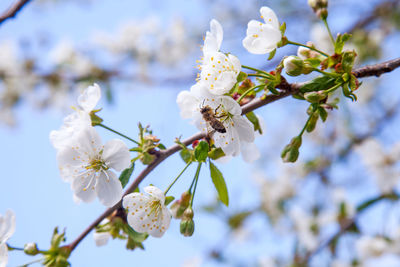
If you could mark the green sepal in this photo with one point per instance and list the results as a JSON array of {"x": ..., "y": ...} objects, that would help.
[
  {"x": 186, "y": 155},
  {"x": 168, "y": 200},
  {"x": 96, "y": 120},
  {"x": 219, "y": 183},
  {"x": 323, "y": 113},
  {"x": 312, "y": 122},
  {"x": 216, "y": 153},
  {"x": 241, "y": 77},
  {"x": 272, "y": 54}
]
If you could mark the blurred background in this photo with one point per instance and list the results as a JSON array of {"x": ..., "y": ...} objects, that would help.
[{"x": 142, "y": 54}]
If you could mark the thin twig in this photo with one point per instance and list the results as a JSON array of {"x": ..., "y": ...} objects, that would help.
[
  {"x": 289, "y": 89},
  {"x": 13, "y": 10}
]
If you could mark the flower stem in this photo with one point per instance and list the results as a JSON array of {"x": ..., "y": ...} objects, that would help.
[
  {"x": 258, "y": 75},
  {"x": 14, "y": 248},
  {"x": 329, "y": 31},
  {"x": 333, "y": 88},
  {"x": 256, "y": 70},
  {"x": 305, "y": 125},
  {"x": 248, "y": 91},
  {"x": 116, "y": 132},
  {"x": 309, "y": 47},
  {"x": 176, "y": 179},
  {"x": 195, "y": 180}
]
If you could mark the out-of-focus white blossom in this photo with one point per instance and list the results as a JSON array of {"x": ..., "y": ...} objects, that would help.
[
  {"x": 370, "y": 247},
  {"x": 262, "y": 38},
  {"x": 382, "y": 164}
]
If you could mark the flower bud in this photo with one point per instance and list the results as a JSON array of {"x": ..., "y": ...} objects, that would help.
[
  {"x": 187, "y": 223},
  {"x": 319, "y": 7},
  {"x": 315, "y": 97},
  {"x": 179, "y": 207},
  {"x": 291, "y": 151},
  {"x": 31, "y": 249},
  {"x": 187, "y": 227},
  {"x": 293, "y": 65}
]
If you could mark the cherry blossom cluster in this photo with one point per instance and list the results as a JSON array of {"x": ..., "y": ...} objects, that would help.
[{"x": 218, "y": 75}]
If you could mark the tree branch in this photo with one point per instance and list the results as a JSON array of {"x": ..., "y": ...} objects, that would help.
[
  {"x": 377, "y": 69},
  {"x": 288, "y": 89},
  {"x": 13, "y": 10}
]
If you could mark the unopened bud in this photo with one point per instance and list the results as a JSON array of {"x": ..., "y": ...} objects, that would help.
[
  {"x": 291, "y": 151},
  {"x": 319, "y": 7},
  {"x": 187, "y": 223},
  {"x": 31, "y": 249},
  {"x": 179, "y": 207},
  {"x": 293, "y": 65},
  {"x": 315, "y": 97}
]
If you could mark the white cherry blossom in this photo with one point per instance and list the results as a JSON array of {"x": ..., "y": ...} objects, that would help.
[
  {"x": 262, "y": 38},
  {"x": 147, "y": 213},
  {"x": 7, "y": 229},
  {"x": 87, "y": 164},
  {"x": 78, "y": 120},
  {"x": 226, "y": 110},
  {"x": 218, "y": 70}
]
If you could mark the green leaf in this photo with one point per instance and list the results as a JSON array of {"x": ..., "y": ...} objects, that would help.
[
  {"x": 254, "y": 120},
  {"x": 340, "y": 41},
  {"x": 126, "y": 175},
  {"x": 219, "y": 184},
  {"x": 161, "y": 146},
  {"x": 201, "y": 151},
  {"x": 348, "y": 59},
  {"x": 317, "y": 84},
  {"x": 272, "y": 54},
  {"x": 282, "y": 28}
]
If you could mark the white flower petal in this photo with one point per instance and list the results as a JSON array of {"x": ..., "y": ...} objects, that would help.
[
  {"x": 213, "y": 39},
  {"x": 187, "y": 103},
  {"x": 89, "y": 98},
  {"x": 108, "y": 188},
  {"x": 116, "y": 155},
  {"x": 155, "y": 192},
  {"x": 101, "y": 239},
  {"x": 244, "y": 128},
  {"x": 3, "y": 254},
  {"x": 158, "y": 228},
  {"x": 269, "y": 16},
  {"x": 83, "y": 187}
]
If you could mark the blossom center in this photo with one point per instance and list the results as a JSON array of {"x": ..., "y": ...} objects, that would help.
[{"x": 97, "y": 164}]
